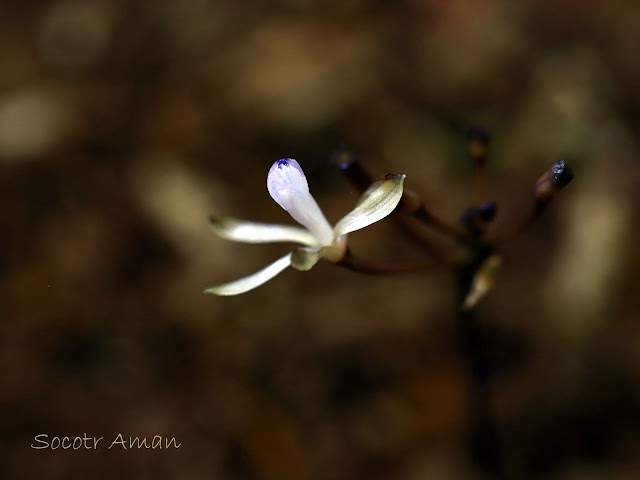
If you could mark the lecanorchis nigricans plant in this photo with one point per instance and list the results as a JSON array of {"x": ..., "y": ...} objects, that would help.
[{"x": 288, "y": 186}]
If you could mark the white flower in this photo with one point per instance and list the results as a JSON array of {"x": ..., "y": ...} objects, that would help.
[{"x": 288, "y": 187}]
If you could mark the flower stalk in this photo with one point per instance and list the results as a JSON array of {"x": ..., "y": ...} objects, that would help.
[
  {"x": 475, "y": 272},
  {"x": 475, "y": 263}
]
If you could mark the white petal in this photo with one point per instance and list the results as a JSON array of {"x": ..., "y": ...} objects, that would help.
[
  {"x": 252, "y": 281},
  {"x": 380, "y": 199},
  {"x": 253, "y": 232},
  {"x": 288, "y": 186}
]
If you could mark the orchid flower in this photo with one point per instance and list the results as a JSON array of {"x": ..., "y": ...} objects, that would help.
[{"x": 288, "y": 186}]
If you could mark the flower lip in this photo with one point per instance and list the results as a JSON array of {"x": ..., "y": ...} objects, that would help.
[
  {"x": 286, "y": 177},
  {"x": 288, "y": 186}
]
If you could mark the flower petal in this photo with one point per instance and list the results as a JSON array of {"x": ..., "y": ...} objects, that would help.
[
  {"x": 482, "y": 281},
  {"x": 288, "y": 186},
  {"x": 380, "y": 199},
  {"x": 304, "y": 258},
  {"x": 252, "y": 281},
  {"x": 253, "y": 232}
]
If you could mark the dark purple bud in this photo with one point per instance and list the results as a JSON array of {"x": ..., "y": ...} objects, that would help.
[
  {"x": 487, "y": 211},
  {"x": 552, "y": 181},
  {"x": 343, "y": 158},
  {"x": 479, "y": 134},
  {"x": 346, "y": 160},
  {"x": 562, "y": 174},
  {"x": 476, "y": 219}
]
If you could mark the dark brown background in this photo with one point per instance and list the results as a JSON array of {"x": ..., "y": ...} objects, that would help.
[{"x": 123, "y": 124}]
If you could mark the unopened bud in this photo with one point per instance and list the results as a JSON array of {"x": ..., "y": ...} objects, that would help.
[
  {"x": 347, "y": 161},
  {"x": 561, "y": 174},
  {"x": 476, "y": 219},
  {"x": 553, "y": 180},
  {"x": 482, "y": 281},
  {"x": 487, "y": 211},
  {"x": 343, "y": 158}
]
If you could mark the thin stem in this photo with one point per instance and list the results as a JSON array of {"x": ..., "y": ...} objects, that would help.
[
  {"x": 484, "y": 438},
  {"x": 419, "y": 237},
  {"x": 374, "y": 267},
  {"x": 522, "y": 226},
  {"x": 429, "y": 219},
  {"x": 479, "y": 183},
  {"x": 478, "y": 148}
]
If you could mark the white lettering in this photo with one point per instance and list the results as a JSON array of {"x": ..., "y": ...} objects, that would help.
[
  {"x": 119, "y": 440},
  {"x": 37, "y": 439}
]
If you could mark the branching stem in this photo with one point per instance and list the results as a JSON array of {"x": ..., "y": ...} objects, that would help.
[{"x": 373, "y": 267}]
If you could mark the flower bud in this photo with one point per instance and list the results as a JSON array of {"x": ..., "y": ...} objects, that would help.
[
  {"x": 347, "y": 161},
  {"x": 487, "y": 211},
  {"x": 483, "y": 281},
  {"x": 343, "y": 157},
  {"x": 476, "y": 219},
  {"x": 553, "y": 180}
]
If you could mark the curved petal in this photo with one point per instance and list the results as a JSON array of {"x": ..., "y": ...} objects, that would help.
[
  {"x": 482, "y": 281},
  {"x": 253, "y": 232},
  {"x": 380, "y": 199},
  {"x": 252, "y": 281},
  {"x": 288, "y": 186}
]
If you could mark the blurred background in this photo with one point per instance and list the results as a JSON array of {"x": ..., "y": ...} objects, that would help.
[{"x": 124, "y": 124}]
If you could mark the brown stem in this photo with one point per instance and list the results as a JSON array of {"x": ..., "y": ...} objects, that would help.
[
  {"x": 484, "y": 440},
  {"x": 479, "y": 183},
  {"x": 373, "y": 267},
  {"x": 525, "y": 224},
  {"x": 426, "y": 217},
  {"x": 478, "y": 149}
]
